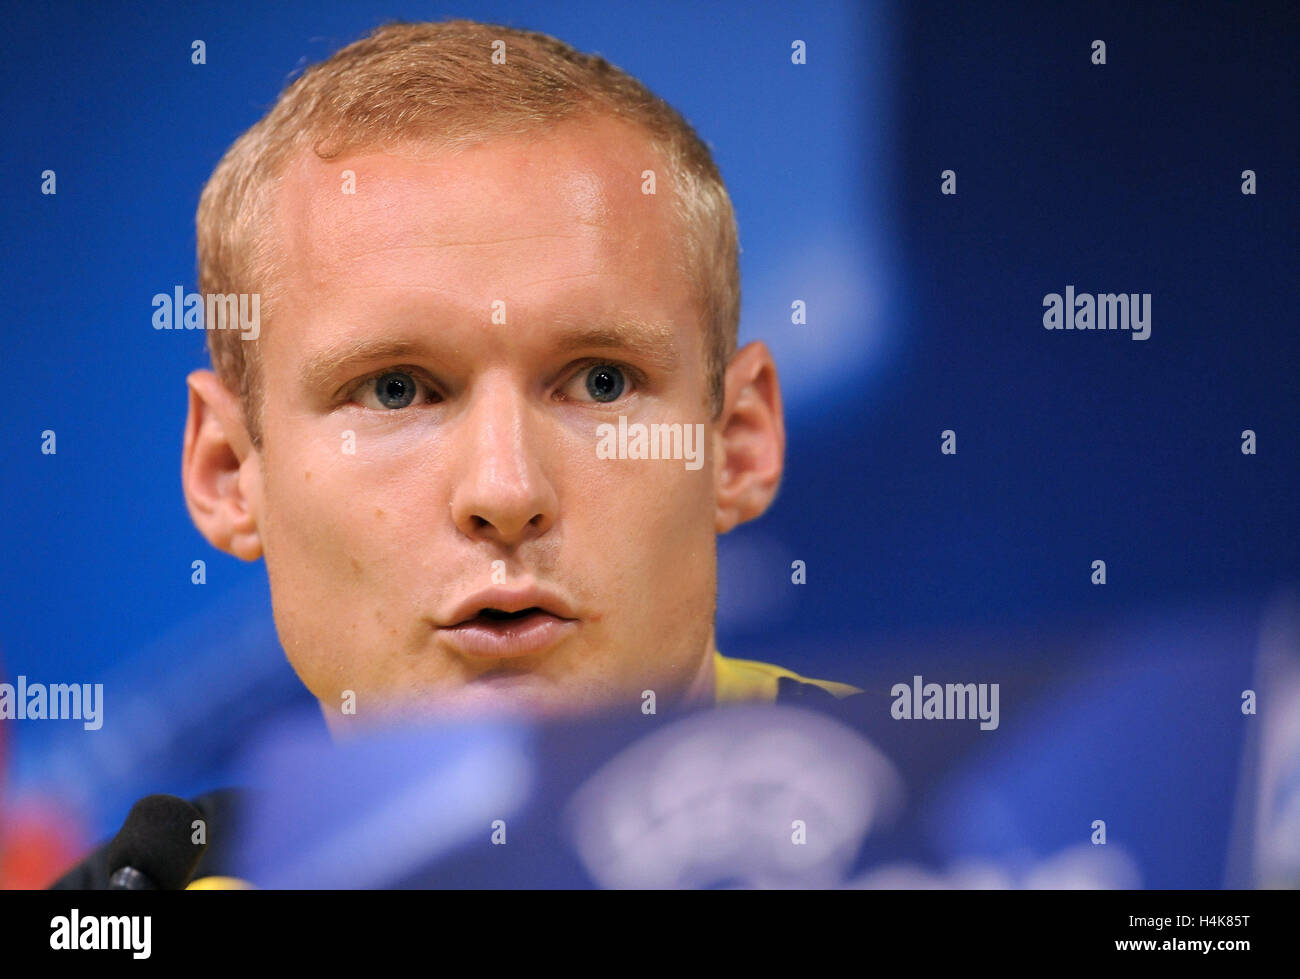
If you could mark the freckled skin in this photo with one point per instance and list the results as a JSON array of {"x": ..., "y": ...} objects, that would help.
[{"x": 501, "y": 468}]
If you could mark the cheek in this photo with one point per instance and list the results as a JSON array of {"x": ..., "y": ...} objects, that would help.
[
  {"x": 648, "y": 524},
  {"x": 307, "y": 509},
  {"x": 339, "y": 558},
  {"x": 360, "y": 541},
  {"x": 323, "y": 524}
]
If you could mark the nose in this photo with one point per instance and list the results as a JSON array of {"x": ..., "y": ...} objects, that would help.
[{"x": 502, "y": 493}]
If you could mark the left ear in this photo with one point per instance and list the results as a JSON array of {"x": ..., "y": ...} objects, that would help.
[{"x": 748, "y": 439}]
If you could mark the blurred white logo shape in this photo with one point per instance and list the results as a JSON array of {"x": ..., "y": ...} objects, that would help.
[
  {"x": 742, "y": 796},
  {"x": 1081, "y": 866},
  {"x": 1276, "y": 740}
]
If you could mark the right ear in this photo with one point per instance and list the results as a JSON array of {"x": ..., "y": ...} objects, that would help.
[{"x": 221, "y": 469}]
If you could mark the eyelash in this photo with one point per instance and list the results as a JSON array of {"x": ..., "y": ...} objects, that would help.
[
  {"x": 635, "y": 380},
  {"x": 356, "y": 389}
]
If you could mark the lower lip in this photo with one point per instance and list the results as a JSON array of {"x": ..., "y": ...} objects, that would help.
[{"x": 518, "y": 637}]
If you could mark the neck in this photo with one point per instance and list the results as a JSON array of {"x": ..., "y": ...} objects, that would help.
[{"x": 702, "y": 690}]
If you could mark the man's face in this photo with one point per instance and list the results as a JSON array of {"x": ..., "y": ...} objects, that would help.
[{"x": 443, "y": 345}]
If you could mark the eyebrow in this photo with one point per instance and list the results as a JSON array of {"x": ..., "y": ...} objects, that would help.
[{"x": 648, "y": 341}]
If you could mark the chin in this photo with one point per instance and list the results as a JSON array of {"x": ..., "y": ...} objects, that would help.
[{"x": 519, "y": 697}]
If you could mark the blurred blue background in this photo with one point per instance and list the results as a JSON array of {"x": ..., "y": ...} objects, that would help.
[{"x": 924, "y": 314}]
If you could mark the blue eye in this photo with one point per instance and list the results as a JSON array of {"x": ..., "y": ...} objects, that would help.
[
  {"x": 605, "y": 382},
  {"x": 395, "y": 389}
]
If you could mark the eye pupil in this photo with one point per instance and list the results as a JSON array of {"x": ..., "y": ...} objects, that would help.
[
  {"x": 395, "y": 390},
  {"x": 605, "y": 383}
]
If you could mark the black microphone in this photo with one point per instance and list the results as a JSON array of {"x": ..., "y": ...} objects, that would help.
[{"x": 154, "y": 850}]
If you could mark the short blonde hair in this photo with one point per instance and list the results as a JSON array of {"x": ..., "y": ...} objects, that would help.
[{"x": 437, "y": 82}]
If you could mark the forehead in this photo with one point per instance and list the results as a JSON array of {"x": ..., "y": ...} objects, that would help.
[{"x": 547, "y": 217}]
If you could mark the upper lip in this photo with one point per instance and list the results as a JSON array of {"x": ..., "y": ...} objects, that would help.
[{"x": 508, "y": 600}]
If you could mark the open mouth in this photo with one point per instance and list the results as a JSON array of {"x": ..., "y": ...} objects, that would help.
[
  {"x": 488, "y": 616},
  {"x": 493, "y": 631}
]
